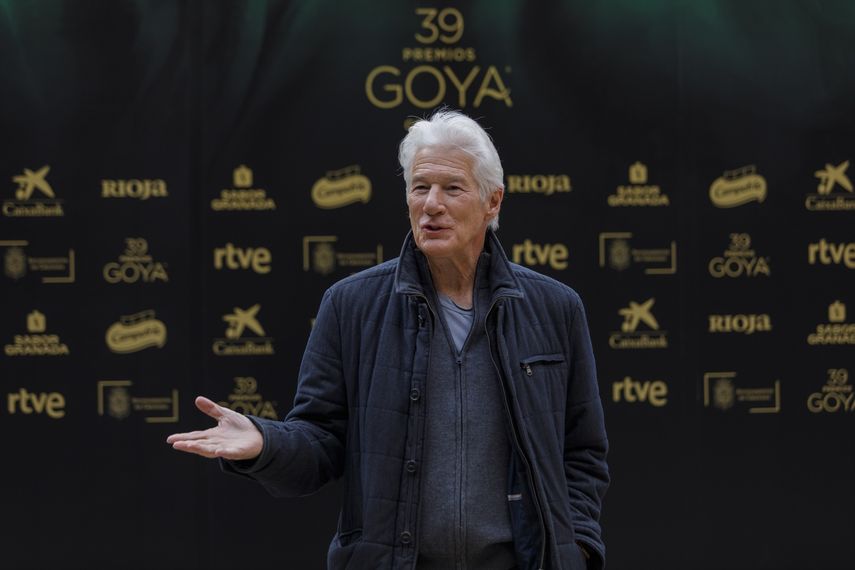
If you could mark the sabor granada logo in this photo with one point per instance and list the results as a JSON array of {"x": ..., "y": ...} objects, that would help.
[
  {"x": 35, "y": 342},
  {"x": 34, "y": 197},
  {"x": 136, "y": 332},
  {"x": 836, "y": 331},
  {"x": 744, "y": 324},
  {"x": 638, "y": 192},
  {"x": 738, "y": 187},
  {"x": 341, "y": 188},
  {"x": 835, "y": 396},
  {"x": 629, "y": 337},
  {"x": 51, "y": 404},
  {"x": 243, "y": 196},
  {"x": 233, "y": 344}
]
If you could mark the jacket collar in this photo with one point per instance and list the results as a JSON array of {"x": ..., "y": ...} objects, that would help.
[{"x": 412, "y": 276}]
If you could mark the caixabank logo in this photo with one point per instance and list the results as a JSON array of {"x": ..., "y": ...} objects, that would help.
[
  {"x": 620, "y": 251},
  {"x": 243, "y": 195},
  {"x": 639, "y": 192},
  {"x": 136, "y": 332},
  {"x": 135, "y": 189},
  {"x": 34, "y": 197},
  {"x": 20, "y": 259},
  {"x": 27, "y": 403},
  {"x": 118, "y": 399},
  {"x": 738, "y": 187},
  {"x": 339, "y": 188},
  {"x": 836, "y": 331},
  {"x": 246, "y": 399},
  {"x": 244, "y": 335},
  {"x": 639, "y": 329},
  {"x": 835, "y": 396},
  {"x": 135, "y": 265},
  {"x": 739, "y": 260},
  {"x": 728, "y": 392},
  {"x": 834, "y": 192},
  {"x": 36, "y": 342},
  {"x": 438, "y": 67}
]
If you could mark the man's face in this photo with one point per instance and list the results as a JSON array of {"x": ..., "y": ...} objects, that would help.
[{"x": 447, "y": 214}]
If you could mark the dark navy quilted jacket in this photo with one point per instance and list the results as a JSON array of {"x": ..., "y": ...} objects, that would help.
[{"x": 359, "y": 414}]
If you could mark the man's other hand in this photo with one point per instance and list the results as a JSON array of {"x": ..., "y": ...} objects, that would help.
[{"x": 235, "y": 437}]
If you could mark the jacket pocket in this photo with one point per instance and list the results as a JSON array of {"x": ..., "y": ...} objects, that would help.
[{"x": 532, "y": 364}]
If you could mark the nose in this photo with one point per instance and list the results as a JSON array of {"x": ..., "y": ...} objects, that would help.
[{"x": 434, "y": 204}]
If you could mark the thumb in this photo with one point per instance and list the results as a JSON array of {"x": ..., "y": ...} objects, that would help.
[{"x": 210, "y": 408}]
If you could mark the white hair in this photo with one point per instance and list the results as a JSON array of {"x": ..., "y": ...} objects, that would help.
[{"x": 453, "y": 129}]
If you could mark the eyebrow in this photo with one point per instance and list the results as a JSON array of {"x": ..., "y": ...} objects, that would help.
[{"x": 453, "y": 180}]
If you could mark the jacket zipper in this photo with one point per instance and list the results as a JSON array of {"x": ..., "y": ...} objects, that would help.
[{"x": 517, "y": 442}]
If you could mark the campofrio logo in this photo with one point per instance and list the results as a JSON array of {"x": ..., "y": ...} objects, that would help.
[
  {"x": 136, "y": 332},
  {"x": 738, "y": 187},
  {"x": 341, "y": 187}
]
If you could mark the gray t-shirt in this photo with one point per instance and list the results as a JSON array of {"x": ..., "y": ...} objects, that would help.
[{"x": 459, "y": 321}]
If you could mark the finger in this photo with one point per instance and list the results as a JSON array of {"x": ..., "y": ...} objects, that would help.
[
  {"x": 209, "y": 408},
  {"x": 191, "y": 435},
  {"x": 197, "y": 447}
]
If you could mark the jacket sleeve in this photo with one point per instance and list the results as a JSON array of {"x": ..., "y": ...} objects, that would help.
[
  {"x": 306, "y": 450},
  {"x": 585, "y": 442}
]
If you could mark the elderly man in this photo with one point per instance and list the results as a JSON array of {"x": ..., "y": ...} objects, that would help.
[{"x": 455, "y": 391}]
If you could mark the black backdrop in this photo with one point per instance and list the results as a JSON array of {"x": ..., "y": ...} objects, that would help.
[{"x": 213, "y": 159}]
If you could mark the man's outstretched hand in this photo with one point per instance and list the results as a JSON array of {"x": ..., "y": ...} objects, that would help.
[{"x": 235, "y": 437}]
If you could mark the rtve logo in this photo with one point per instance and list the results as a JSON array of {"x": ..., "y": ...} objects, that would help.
[
  {"x": 231, "y": 257},
  {"x": 653, "y": 392},
  {"x": 828, "y": 253},
  {"x": 22, "y": 401},
  {"x": 552, "y": 254}
]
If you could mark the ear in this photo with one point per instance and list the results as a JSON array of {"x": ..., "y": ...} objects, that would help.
[{"x": 494, "y": 202}]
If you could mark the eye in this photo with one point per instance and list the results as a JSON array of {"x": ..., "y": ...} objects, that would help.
[{"x": 419, "y": 189}]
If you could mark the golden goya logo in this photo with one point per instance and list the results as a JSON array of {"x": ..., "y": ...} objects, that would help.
[
  {"x": 54, "y": 269},
  {"x": 36, "y": 342},
  {"x": 835, "y": 396},
  {"x": 724, "y": 392},
  {"x": 242, "y": 196},
  {"x": 638, "y": 192},
  {"x": 746, "y": 324},
  {"x": 825, "y": 252},
  {"x": 117, "y": 400},
  {"x": 653, "y": 392},
  {"x": 341, "y": 187},
  {"x": 546, "y": 184},
  {"x": 618, "y": 252},
  {"x": 533, "y": 254},
  {"x": 234, "y": 343},
  {"x": 51, "y": 404},
  {"x": 34, "y": 196},
  {"x": 136, "y": 332},
  {"x": 321, "y": 256},
  {"x": 245, "y": 399},
  {"x": 738, "y": 187},
  {"x": 438, "y": 65},
  {"x": 834, "y": 192},
  {"x": 836, "y": 331},
  {"x": 630, "y": 337},
  {"x": 143, "y": 189},
  {"x": 135, "y": 264},
  {"x": 739, "y": 260}
]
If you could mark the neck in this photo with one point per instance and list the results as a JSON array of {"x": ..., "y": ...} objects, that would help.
[{"x": 454, "y": 278}]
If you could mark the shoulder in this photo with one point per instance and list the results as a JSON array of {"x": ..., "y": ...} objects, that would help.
[
  {"x": 544, "y": 288},
  {"x": 367, "y": 283}
]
